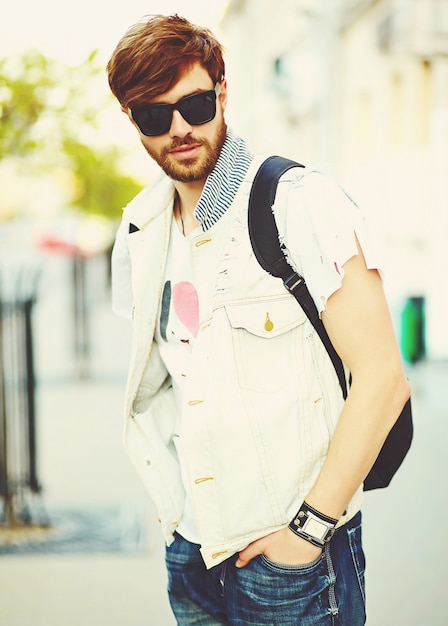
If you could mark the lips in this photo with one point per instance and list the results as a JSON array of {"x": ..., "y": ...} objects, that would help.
[{"x": 186, "y": 151}]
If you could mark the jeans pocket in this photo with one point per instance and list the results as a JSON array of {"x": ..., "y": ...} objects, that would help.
[
  {"x": 276, "y": 594},
  {"x": 285, "y": 568}
]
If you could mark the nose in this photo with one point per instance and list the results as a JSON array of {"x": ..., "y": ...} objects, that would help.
[{"x": 179, "y": 127}]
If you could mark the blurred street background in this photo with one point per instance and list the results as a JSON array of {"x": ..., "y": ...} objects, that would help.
[{"x": 358, "y": 88}]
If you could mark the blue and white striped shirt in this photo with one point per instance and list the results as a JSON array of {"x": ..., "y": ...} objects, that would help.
[{"x": 224, "y": 181}]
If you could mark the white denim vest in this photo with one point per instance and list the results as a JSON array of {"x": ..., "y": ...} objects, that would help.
[{"x": 262, "y": 399}]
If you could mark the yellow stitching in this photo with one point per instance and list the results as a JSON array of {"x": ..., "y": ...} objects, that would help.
[
  {"x": 200, "y": 243},
  {"x": 198, "y": 481},
  {"x": 194, "y": 402}
]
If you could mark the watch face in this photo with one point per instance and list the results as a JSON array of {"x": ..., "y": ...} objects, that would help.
[{"x": 315, "y": 528}]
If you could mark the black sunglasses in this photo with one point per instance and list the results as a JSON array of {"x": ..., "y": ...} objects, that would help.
[{"x": 155, "y": 119}]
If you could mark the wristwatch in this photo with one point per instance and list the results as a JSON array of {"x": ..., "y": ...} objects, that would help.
[{"x": 313, "y": 526}]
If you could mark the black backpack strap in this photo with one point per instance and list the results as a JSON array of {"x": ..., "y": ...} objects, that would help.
[{"x": 264, "y": 238}]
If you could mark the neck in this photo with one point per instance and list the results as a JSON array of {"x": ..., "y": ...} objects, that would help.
[
  {"x": 187, "y": 196},
  {"x": 185, "y": 202}
]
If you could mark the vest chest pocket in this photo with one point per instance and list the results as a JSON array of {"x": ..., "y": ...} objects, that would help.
[{"x": 267, "y": 339}]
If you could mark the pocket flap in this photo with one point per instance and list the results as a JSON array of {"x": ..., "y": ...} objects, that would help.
[{"x": 267, "y": 318}]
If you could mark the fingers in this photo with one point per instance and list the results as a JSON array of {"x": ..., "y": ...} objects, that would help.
[
  {"x": 282, "y": 547},
  {"x": 246, "y": 555}
]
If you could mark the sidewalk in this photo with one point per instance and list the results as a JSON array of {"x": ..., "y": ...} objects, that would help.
[
  {"x": 404, "y": 525},
  {"x": 82, "y": 465}
]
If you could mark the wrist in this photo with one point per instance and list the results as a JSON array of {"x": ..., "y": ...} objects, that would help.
[{"x": 312, "y": 525}]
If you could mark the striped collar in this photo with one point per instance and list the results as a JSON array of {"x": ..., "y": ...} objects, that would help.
[{"x": 224, "y": 181}]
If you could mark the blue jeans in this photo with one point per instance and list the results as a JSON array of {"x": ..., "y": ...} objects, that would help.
[{"x": 327, "y": 592}]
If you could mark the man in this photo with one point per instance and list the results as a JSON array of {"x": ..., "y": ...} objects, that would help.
[{"x": 234, "y": 416}]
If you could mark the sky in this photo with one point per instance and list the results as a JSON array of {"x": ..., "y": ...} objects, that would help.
[{"x": 70, "y": 31}]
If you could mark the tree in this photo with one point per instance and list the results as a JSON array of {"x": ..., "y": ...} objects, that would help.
[{"x": 49, "y": 120}]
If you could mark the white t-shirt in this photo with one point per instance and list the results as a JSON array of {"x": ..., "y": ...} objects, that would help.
[{"x": 177, "y": 327}]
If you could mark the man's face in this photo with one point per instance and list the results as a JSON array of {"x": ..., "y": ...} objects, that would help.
[{"x": 188, "y": 153}]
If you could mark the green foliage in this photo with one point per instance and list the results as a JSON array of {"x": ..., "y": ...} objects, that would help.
[
  {"x": 49, "y": 122},
  {"x": 24, "y": 88},
  {"x": 100, "y": 188}
]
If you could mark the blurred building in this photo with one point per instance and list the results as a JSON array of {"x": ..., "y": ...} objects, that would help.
[{"x": 359, "y": 88}]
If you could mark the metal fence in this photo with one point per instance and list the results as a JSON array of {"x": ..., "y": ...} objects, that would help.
[{"x": 18, "y": 445}]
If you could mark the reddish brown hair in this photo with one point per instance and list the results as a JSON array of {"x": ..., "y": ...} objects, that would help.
[{"x": 152, "y": 55}]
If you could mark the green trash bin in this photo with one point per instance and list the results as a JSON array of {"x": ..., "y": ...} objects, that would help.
[{"x": 413, "y": 329}]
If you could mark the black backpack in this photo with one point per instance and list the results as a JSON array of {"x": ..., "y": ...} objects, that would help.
[{"x": 268, "y": 251}]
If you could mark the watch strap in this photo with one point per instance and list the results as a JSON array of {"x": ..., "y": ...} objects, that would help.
[{"x": 313, "y": 525}]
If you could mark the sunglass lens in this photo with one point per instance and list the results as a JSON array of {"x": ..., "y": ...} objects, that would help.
[
  {"x": 199, "y": 109},
  {"x": 153, "y": 120}
]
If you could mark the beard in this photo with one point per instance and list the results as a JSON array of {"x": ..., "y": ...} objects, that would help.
[{"x": 190, "y": 170}]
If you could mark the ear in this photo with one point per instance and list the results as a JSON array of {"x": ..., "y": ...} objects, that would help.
[{"x": 223, "y": 95}]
